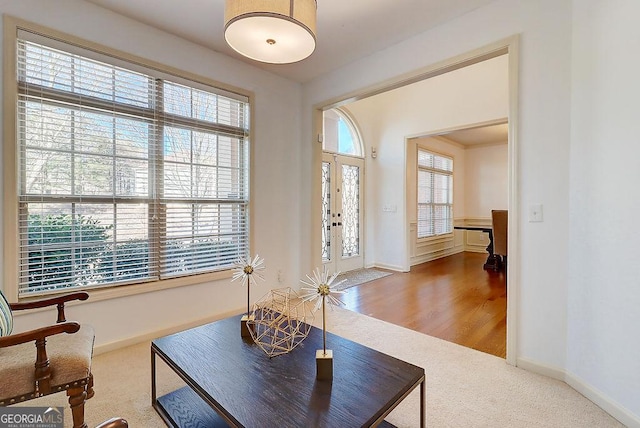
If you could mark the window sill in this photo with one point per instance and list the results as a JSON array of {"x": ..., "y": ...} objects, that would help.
[
  {"x": 98, "y": 294},
  {"x": 436, "y": 238}
]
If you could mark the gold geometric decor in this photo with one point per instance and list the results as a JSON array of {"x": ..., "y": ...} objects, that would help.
[{"x": 279, "y": 322}]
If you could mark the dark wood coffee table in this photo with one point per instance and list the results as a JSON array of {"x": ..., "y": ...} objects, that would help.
[{"x": 232, "y": 382}]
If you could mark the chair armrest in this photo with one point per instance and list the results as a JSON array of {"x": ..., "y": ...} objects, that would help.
[
  {"x": 42, "y": 366},
  {"x": 50, "y": 301},
  {"x": 58, "y": 300},
  {"x": 39, "y": 334}
]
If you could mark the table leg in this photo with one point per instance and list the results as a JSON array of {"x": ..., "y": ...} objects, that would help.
[
  {"x": 153, "y": 378},
  {"x": 423, "y": 405},
  {"x": 493, "y": 261}
]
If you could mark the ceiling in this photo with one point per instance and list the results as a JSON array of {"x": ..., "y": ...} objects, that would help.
[
  {"x": 347, "y": 29},
  {"x": 493, "y": 134}
]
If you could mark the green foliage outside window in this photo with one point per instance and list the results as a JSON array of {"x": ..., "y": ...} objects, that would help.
[
  {"x": 65, "y": 252},
  {"x": 75, "y": 252}
]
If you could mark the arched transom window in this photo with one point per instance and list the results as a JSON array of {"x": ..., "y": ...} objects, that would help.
[{"x": 340, "y": 134}]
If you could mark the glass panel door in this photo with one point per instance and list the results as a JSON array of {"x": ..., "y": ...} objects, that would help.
[{"x": 342, "y": 190}]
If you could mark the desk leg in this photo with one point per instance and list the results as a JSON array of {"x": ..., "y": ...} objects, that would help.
[{"x": 493, "y": 261}]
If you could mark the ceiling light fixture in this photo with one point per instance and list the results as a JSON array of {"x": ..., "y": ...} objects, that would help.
[{"x": 272, "y": 31}]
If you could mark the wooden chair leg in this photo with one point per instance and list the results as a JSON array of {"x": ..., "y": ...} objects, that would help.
[
  {"x": 90, "y": 392},
  {"x": 77, "y": 398}
]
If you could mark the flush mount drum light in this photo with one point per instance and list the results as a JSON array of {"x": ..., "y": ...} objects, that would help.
[{"x": 273, "y": 31}]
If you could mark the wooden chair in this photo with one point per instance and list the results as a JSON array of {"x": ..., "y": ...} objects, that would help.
[
  {"x": 58, "y": 362},
  {"x": 499, "y": 220}
]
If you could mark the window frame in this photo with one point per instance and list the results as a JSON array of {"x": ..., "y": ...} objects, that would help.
[
  {"x": 434, "y": 170},
  {"x": 11, "y": 242}
]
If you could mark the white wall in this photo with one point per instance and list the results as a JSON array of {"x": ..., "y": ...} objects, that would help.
[
  {"x": 276, "y": 150},
  {"x": 475, "y": 94},
  {"x": 543, "y": 143},
  {"x": 604, "y": 284},
  {"x": 486, "y": 180},
  {"x": 486, "y": 188}
]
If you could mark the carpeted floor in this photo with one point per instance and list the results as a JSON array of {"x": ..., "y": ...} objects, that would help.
[
  {"x": 465, "y": 388},
  {"x": 359, "y": 276}
]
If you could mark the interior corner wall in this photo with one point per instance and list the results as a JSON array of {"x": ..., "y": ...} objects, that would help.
[
  {"x": 604, "y": 291},
  {"x": 486, "y": 180},
  {"x": 544, "y": 27},
  {"x": 276, "y": 153}
]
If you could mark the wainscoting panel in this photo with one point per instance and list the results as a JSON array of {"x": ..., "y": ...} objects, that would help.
[
  {"x": 476, "y": 241},
  {"x": 425, "y": 250}
]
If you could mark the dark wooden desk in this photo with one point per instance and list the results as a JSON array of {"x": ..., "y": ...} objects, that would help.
[
  {"x": 231, "y": 382},
  {"x": 493, "y": 261}
]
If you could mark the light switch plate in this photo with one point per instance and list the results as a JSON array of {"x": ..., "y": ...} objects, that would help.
[{"x": 535, "y": 213}]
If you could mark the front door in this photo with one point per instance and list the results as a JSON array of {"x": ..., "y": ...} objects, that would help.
[{"x": 342, "y": 184}]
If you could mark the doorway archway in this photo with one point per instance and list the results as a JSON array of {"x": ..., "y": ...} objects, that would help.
[{"x": 507, "y": 47}]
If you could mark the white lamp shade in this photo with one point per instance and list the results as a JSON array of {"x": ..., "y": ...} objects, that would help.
[{"x": 272, "y": 31}]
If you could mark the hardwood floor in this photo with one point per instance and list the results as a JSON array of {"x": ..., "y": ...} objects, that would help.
[{"x": 452, "y": 298}]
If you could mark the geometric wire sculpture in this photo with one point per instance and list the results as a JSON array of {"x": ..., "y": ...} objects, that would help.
[{"x": 280, "y": 322}]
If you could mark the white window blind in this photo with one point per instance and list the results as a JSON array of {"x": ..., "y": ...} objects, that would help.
[
  {"x": 125, "y": 174},
  {"x": 435, "y": 194}
]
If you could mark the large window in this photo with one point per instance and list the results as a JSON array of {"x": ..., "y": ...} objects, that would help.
[
  {"x": 125, "y": 174},
  {"x": 435, "y": 194}
]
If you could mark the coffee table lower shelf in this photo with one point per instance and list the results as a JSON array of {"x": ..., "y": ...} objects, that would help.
[{"x": 184, "y": 408}]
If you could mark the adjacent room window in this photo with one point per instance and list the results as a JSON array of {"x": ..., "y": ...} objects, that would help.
[
  {"x": 435, "y": 194},
  {"x": 125, "y": 174}
]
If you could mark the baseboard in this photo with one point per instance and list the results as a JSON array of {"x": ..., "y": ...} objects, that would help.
[
  {"x": 386, "y": 266},
  {"x": 596, "y": 396},
  {"x": 545, "y": 370},
  {"x": 150, "y": 335},
  {"x": 470, "y": 249},
  {"x": 619, "y": 412}
]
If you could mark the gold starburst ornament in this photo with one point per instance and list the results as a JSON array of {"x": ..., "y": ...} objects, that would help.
[
  {"x": 247, "y": 270},
  {"x": 318, "y": 289}
]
